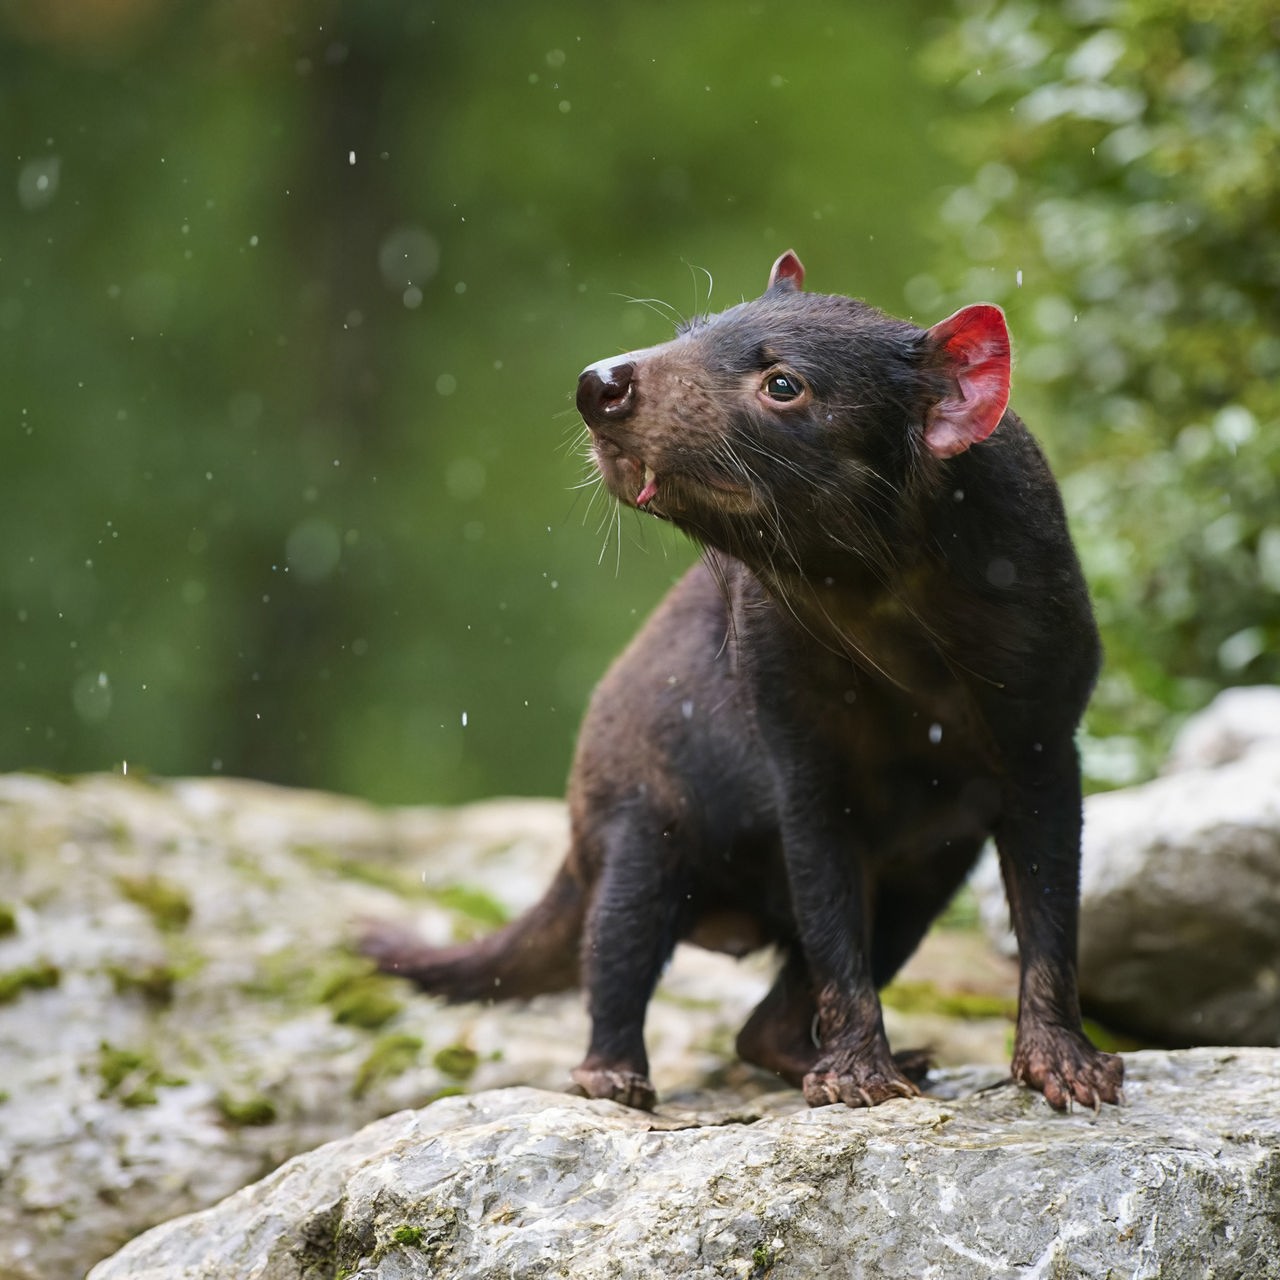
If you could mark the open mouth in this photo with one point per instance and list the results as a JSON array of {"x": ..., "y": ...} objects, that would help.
[
  {"x": 629, "y": 478},
  {"x": 635, "y": 482},
  {"x": 650, "y": 490}
]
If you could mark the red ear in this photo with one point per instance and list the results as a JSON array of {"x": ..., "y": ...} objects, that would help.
[
  {"x": 974, "y": 345},
  {"x": 788, "y": 272}
]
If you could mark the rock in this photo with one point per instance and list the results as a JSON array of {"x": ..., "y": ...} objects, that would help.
[
  {"x": 180, "y": 1012},
  {"x": 1180, "y": 933},
  {"x": 1182, "y": 1181},
  {"x": 1180, "y": 888},
  {"x": 1235, "y": 722}
]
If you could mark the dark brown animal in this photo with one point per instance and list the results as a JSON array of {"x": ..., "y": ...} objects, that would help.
[{"x": 880, "y": 661}]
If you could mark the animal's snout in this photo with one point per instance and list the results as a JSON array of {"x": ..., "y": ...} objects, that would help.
[{"x": 606, "y": 392}]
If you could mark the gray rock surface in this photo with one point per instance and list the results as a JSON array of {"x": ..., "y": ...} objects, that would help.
[
  {"x": 1180, "y": 887},
  {"x": 1233, "y": 724},
  {"x": 1180, "y": 940},
  {"x": 1181, "y": 1182},
  {"x": 179, "y": 1011}
]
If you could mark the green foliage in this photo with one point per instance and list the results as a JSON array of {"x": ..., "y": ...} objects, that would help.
[
  {"x": 1124, "y": 208},
  {"x": 290, "y": 439}
]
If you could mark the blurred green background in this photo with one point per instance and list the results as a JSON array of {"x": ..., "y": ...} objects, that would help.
[{"x": 293, "y": 298}]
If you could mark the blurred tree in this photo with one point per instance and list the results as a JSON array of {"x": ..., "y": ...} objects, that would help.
[
  {"x": 1125, "y": 208},
  {"x": 293, "y": 298}
]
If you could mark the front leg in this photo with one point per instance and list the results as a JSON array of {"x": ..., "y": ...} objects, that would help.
[
  {"x": 827, "y": 877},
  {"x": 1038, "y": 839}
]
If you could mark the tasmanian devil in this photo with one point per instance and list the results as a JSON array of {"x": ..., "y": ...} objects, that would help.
[{"x": 880, "y": 661}]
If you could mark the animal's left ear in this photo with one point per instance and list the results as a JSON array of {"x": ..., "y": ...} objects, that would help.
[
  {"x": 787, "y": 273},
  {"x": 972, "y": 347}
]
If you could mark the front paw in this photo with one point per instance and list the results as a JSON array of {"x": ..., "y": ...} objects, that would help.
[
  {"x": 856, "y": 1079},
  {"x": 1066, "y": 1068},
  {"x": 629, "y": 1088}
]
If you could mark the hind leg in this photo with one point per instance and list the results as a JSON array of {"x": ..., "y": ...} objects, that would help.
[
  {"x": 903, "y": 914},
  {"x": 780, "y": 1034},
  {"x": 637, "y": 916}
]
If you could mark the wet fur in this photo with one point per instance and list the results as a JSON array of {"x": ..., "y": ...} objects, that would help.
[{"x": 880, "y": 661}]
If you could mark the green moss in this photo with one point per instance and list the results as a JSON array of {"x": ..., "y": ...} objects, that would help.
[
  {"x": 925, "y": 997},
  {"x": 166, "y": 903},
  {"x": 457, "y": 1061},
  {"x": 285, "y": 975},
  {"x": 465, "y": 900},
  {"x": 330, "y": 860},
  {"x": 468, "y": 901},
  {"x": 32, "y": 977},
  {"x": 391, "y": 1056},
  {"x": 154, "y": 983},
  {"x": 1112, "y": 1041},
  {"x": 762, "y": 1260},
  {"x": 8, "y": 920},
  {"x": 360, "y": 997},
  {"x": 243, "y": 1112},
  {"x": 407, "y": 1235},
  {"x": 249, "y": 868},
  {"x": 961, "y": 912},
  {"x": 131, "y": 1077},
  {"x": 449, "y": 1091}
]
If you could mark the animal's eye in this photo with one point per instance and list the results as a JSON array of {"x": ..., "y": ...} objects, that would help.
[{"x": 783, "y": 387}]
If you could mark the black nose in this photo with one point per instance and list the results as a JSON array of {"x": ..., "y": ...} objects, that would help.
[{"x": 606, "y": 393}]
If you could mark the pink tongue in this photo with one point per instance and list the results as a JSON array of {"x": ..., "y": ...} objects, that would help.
[{"x": 648, "y": 493}]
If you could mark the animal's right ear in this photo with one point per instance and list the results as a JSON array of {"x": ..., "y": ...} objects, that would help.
[{"x": 787, "y": 273}]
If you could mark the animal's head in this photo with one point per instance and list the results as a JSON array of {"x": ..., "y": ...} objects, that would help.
[{"x": 793, "y": 416}]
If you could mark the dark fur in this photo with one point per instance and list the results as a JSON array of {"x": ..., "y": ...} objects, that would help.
[{"x": 881, "y": 661}]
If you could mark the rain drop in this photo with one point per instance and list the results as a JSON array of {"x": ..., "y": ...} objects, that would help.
[{"x": 1001, "y": 573}]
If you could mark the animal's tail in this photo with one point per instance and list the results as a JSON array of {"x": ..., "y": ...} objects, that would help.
[{"x": 535, "y": 953}]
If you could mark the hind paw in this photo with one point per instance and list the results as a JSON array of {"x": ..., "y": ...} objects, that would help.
[{"x": 856, "y": 1079}]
